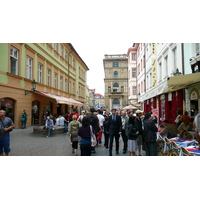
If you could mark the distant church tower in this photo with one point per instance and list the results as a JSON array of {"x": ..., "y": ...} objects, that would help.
[{"x": 116, "y": 81}]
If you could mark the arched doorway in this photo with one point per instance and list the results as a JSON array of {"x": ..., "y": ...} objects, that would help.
[
  {"x": 35, "y": 112},
  {"x": 7, "y": 104},
  {"x": 116, "y": 104}
]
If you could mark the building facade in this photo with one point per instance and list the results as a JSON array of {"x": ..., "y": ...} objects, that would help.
[
  {"x": 58, "y": 70},
  {"x": 116, "y": 81},
  {"x": 99, "y": 101}
]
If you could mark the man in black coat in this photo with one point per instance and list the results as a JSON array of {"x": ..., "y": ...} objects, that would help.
[{"x": 114, "y": 129}]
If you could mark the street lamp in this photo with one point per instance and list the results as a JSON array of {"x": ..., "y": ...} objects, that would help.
[
  {"x": 34, "y": 83},
  {"x": 177, "y": 73}
]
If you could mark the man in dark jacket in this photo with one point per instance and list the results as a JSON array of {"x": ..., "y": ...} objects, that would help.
[
  {"x": 150, "y": 131},
  {"x": 114, "y": 130}
]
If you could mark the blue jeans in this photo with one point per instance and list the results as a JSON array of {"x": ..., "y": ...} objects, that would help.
[
  {"x": 66, "y": 127},
  {"x": 24, "y": 124},
  {"x": 49, "y": 129}
]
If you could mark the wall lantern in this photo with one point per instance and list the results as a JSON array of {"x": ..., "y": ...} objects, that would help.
[{"x": 34, "y": 83}]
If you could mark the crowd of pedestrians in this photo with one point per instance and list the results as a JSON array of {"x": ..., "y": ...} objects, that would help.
[{"x": 137, "y": 129}]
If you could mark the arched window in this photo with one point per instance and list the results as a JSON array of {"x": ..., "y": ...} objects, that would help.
[
  {"x": 115, "y": 74},
  {"x": 109, "y": 89},
  {"x": 115, "y": 87}
]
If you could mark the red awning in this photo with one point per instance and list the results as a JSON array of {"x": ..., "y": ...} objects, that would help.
[{"x": 60, "y": 99}]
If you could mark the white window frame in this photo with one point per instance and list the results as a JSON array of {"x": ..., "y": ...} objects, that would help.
[
  {"x": 55, "y": 80},
  {"x": 65, "y": 85},
  {"x": 66, "y": 55},
  {"x": 56, "y": 46},
  {"x": 133, "y": 56},
  {"x": 134, "y": 90},
  {"x": 73, "y": 88},
  {"x": 175, "y": 58},
  {"x": 166, "y": 65},
  {"x": 61, "y": 83},
  {"x": 48, "y": 77},
  {"x": 61, "y": 50},
  {"x": 134, "y": 71},
  {"x": 160, "y": 69},
  {"x": 29, "y": 65},
  {"x": 14, "y": 55},
  {"x": 40, "y": 67}
]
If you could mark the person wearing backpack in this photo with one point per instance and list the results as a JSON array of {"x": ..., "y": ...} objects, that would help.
[
  {"x": 73, "y": 133},
  {"x": 73, "y": 113},
  {"x": 24, "y": 117},
  {"x": 94, "y": 122}
]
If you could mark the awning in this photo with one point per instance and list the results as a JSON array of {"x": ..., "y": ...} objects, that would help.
[
  {"x": 60, "y": 99},
  {"x": 179, "y": 82}
]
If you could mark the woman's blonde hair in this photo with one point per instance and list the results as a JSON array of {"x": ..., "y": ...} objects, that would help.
[{"x": 74, "y": 117}]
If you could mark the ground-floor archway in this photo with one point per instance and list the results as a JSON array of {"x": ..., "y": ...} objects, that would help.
[{"x": 8, "y": 105}]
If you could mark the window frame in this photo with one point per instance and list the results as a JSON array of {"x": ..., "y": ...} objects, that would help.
[
  {"x": 29, "y": 67},
  {"x": 14, "y": 57},
  {"x": 40, "y": 69}
]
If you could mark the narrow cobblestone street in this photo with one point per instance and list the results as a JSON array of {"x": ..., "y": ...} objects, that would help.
[{"x": 25, "y": 143}]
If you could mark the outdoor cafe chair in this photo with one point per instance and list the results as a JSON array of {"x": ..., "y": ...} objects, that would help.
[
  {"x": 185, "y": 152},
  {"x": 189, "y": 136},
  {"x": 176, "y": 149}
]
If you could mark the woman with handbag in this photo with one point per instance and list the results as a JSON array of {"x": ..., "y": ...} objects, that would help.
[
  {"x": 73, "y": 133},
  {"x": 132, "y": 135},
  {"x": 24, "y": 119},
  {"x": 85, "y": 132}
]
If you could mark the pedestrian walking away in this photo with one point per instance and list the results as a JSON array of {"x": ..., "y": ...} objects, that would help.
[
  {"x": 125, "y": 120},
  {"x": 150, "y": 131},
  {"x": 114, "y": 130},
  {"x": 6, "y": 126},
  {"x": 85, "y": 137},
  {"x": 24, "y": 119},
  {"x": 73, "y": 133}
]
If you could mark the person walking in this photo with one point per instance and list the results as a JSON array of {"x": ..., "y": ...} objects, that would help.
[
  {"x": 66, "y": 122},
  {"x": 125, "y": 120},
  {"x": 114, "y": 130},
  {"x": 101, "y": 120},
  {"x": 6, "y": 126},
  {"x": 73, "y": 113},
  {"x": 139, "y": 114},
  {"x": 196, "y": 125},
  {"x": 106, "y": 135},
  {"x": 150, "y": 131},
  {"x": 84, "y": 133},
  {"x": 94, "y": 122},
  {"x": 73, "y": 133},
  {"x": 49, "y": 126},
  {"x": 24, "y": 119},
  {"x": 132, "y": 135},
  {"x": 81, "y": 116}
]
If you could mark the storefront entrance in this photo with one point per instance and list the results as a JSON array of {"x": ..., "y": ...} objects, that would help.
[
  {"x": 35, "y": 113},
  {"x": 8, "y": 105}
]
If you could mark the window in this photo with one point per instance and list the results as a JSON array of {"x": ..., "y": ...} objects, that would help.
[
  {"x": 115, "y": 74},
  {"x": 13, "y": 61},
  {"x": 141, "y": 87},
  {"x": 134, "y": 90},
  {"x": 73, "y": 63},
  {"x": 56, "y": 46},
  {"x": 69, "y": 87},
  {"x": 73, "y": 88},
  {"x": 160, "y": 68},
  {"x": 39, "y": 73},
  {"x": 48, "y": 77},
  {"x": 66, "y": 55},
  {"x": 134, "y": 72},
  {"x": 55, "y": 80},
  {"x": 122, "y": 89},
  {"x": 109, "y": 89},
  {"x": 61, "y": 50},
  {"x": 61, "y": 83},
  {"x": 65, "y": 85},
  {"x": 175, "y": 58},
  {"x": 115, "y": 87},
  {"x": 29, "y": 64},
  {"x": 115, "y": 64},
  {"x": 166, "y": 65},
  {"x": 133, "y": 56}
]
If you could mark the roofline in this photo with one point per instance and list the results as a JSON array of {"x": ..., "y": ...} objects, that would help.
[{"x": 73, "y": 49}]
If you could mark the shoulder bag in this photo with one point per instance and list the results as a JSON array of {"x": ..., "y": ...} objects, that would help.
[{"x": 93, "y": 138}]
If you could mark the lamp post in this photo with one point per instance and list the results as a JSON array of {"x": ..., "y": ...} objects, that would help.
[
  {"x": 34, "y": 83},
  {"x": 177, "y": 73}
]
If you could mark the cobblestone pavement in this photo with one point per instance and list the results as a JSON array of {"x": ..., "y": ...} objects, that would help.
[{"x": 25, "y": 143}]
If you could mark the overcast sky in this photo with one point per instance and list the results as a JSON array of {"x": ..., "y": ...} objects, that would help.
[{"x": 93, "y": 57}]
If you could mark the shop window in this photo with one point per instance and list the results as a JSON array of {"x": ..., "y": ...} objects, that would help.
[{"x": 7, "y": 105}]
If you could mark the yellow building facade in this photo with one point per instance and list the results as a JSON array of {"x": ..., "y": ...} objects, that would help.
[{"x": 60, "y": 74}]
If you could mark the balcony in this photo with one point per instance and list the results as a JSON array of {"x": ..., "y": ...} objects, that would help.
[{"x": 115, "y": 92}]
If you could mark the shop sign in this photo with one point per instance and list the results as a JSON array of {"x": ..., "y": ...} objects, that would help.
[
  {"x": 193, "y": 96},
  {"x": 170, "y": 96}
]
